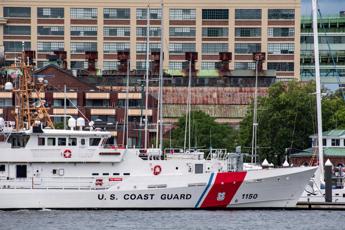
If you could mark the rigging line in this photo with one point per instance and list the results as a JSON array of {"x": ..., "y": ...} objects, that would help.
[
  {"x": 82, "y": 114},
  {"x": 293, "y": 132}
]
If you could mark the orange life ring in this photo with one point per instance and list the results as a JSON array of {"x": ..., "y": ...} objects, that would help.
[
  {"x": 157, "y": 170},
  {"x": 67, "y": 153}
]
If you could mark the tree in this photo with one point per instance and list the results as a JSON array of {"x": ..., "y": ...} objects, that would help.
[
  {"x": 205, "y": 133},
  {"x": 287, "y": 117}
]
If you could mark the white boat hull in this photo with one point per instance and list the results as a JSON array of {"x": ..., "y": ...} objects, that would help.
[{"x": 276, "y": 188}]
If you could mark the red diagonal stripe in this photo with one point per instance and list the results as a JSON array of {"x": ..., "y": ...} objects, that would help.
[{"x": 225, "y": 186}]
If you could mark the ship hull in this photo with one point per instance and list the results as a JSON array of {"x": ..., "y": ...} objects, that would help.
[{"x": 278, "y": 188}]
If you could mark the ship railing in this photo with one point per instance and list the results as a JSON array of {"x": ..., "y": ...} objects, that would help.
[
  {"x": 70, "y": 183},
  {"x": 217, "y": 154}
]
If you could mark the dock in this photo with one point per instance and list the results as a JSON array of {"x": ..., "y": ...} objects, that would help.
[{"x": 321, "y": 205}]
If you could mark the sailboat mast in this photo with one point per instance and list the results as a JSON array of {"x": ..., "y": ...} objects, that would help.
[
  {"x": 127, "y": 102},
  {"x": 161, "y": 81},
  {"x": 318, "y": 86},
  {"x": 147, "y": 72},
  {"x": 255, "y": 119}
]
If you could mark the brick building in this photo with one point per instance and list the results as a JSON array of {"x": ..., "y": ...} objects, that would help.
[
  {"x": 105, "y": 107},
  {"x": 206, "y": 27}
]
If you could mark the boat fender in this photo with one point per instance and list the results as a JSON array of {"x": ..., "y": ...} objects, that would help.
[
  {"x": 157, "y": 170},
  {"x": 67, "y": 153}
]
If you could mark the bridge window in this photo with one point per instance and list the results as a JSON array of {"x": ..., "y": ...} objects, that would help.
[
  {"x": 41, "y": 141},
  {"x": 94, "y": 141},
  {"x": 62, "y": 141},
  {"x": 51, "y": 141},
  {"x": 72, "y": 141},
  {"x": 82, "y": 141}
]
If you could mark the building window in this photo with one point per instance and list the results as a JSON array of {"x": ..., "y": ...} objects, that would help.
[
  {"x": 248, "y": 13},
  {"x": 79, "y": 64},
  {"x": 335, "y": 142},
  {"x": 178, "y": 48},
  {"x": 215, "y": 14},
  {"x": 41, "y": 64},
  {"x": 215, "y": 32},
  {"x": 248, "y": 32},
  {"x": 5, "y": 102},
  {"x": 155, "y": 13},
  {"x": 281, "y": 32},
  {"x": 97, "y": 102},
  {"x": 16, "y": 46},
  {"x": 281, "y": 14},
  {"x": 17, "y": 30},
  {"x": 83, "y": 13},
  {"x": 324, "y": 39},
  {"x": 110, "y": 65},
  {"x": 182, "y": 14},
  {"x": 182, "y": 31},
  {"x": 154, "y": 31},
  {"x": 247, "y": 48},
  {"x": 244, "y": 65},
  {"x": 174, "y": 65},
  {"x": 281, "y": 66},
  {"x": 208, "y": 65},
  {"x": 141, "y": 65},
  {"x": 103, "y": 118},
  {"x": 154, "y": 47},
  {"x": 83, "y": 31},
  {"x": 17, "y": 12},
  {"x": 281, "y": 48},
  {"x": 324, "y": 142},
  {"x": 81, "y": 47},
  {"x": 114, "y": 47},
  {"x": 50, "y": 12},
  {"x": 69, "y": 102},
  {"x": 117, "y": 13},
  {"x": 117, "y": 31},
  {"x": 49, "y": 46},
  {"x": 214, "y": 47},
  {"x": 50, "y": 30}
]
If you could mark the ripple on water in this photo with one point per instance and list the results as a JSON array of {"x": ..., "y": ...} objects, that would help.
[{"x": 171, "y": 219}]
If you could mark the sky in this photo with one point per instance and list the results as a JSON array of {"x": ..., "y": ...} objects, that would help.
[{"x": 327, "y": 7}]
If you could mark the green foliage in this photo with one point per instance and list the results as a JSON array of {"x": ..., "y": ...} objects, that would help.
[
  {"x": 205, "y": 133},
  {"x": 58, "y": 125},
  {"x": 287, "y": 117}
]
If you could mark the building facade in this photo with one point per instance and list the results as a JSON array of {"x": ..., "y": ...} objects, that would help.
[
  {"x": 331, "y": 46},
  {"x": 106, "y": 108},
  {"x": 206, "y": 27},
  {"x": 333, "y": 149}
]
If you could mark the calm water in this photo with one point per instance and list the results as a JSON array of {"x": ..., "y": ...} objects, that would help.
[{"x": 172, "y": 219}]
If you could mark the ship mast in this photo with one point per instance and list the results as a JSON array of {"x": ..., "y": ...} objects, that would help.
[
  {"x": 27, "y": 111},
  {"x": 318, "y": 88}
]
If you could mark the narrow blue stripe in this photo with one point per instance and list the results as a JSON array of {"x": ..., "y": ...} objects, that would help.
[{"x": 203, "y": 193}]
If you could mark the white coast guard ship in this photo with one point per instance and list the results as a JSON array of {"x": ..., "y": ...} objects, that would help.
[{"x": 43, "y": 167}]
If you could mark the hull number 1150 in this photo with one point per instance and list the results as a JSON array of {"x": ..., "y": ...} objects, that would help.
[{"x": 249, "y": 196}]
